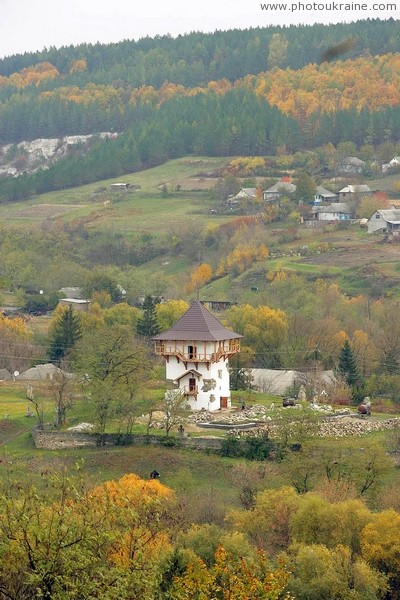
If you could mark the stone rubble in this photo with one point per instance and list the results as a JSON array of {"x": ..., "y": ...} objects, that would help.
[
  {"x": 333, "y": 423},
  {"x": 337, "y": 428}
]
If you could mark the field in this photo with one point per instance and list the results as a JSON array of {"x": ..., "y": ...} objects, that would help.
[{"x": 143, "y": 209}]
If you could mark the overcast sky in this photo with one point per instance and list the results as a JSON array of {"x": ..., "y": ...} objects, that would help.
[{"x": 30, "y": 25}]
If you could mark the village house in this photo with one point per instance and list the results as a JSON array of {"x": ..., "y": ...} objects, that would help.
[
  {"x": 324, "y": 196},
  {"x": 277, "y": 191},
  {"x": 351, "y": 191},
  {"x": 351, "y": 165},
  {"x": 196, "y": 351},
  {"x": 395, "y": 162},
  {"x": 338, "y": 211},
  {"x": 246, "y": 194},
  {"x": 385, "y": 220}
]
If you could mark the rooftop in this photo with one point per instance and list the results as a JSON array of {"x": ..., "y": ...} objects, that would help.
[{"x": 198, "y": 324}]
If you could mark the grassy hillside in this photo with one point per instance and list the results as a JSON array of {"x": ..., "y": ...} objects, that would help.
[{"x": 141, "y": 209}]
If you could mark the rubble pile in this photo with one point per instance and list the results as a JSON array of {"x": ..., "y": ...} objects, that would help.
[
  {"x": 344, "y": 427},
  {"x": 339, "y": 428}
]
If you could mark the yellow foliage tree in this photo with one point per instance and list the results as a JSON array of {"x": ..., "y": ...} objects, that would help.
[
  {"x": 78, "y": 65},
  {"x": 199, "y": 277},
  {"x": 264, "y": 330},
  {"x": 241, "y": 258},
  {"x": 169, "y": 312},
  {"x": 380, "y": 543},
  {"x": 15, "y": 342},
  {"x": 230, "y": 579}
]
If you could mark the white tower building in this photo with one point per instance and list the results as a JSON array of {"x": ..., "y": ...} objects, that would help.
[{"x": 196, "y": 350}]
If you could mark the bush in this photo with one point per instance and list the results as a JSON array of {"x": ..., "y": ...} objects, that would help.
[
  {"x": 257, "y": 448},
  {"x": 168, "y": 442},
  {"x": 231, "y": 446}
]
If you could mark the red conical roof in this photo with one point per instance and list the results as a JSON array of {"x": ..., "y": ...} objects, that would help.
[{"x": 197, "y": 324}]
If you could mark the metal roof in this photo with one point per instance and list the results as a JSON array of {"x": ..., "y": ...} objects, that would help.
[
  {"x": 197, "y": 324},
  {"x": 355, "y": 189},
  {"x": 324, "y": 192},
  {"x": 282, "y": 187},
  {"x": 390, "y": 215},
  {"x": 337, "y": 207}
]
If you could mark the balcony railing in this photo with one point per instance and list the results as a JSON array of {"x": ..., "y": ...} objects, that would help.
[
  {"x": 167, "y": 350},
  {"x": 190, "y": 390}
]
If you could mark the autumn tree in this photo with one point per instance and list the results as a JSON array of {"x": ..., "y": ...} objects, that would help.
[
  {"x": 242, "y": 257},
  {"x": 380, "y": 547},
  {"x": 199, "y": 277},
  {"x": 100, "y": 280},
  {"x": 169, "y": 312},
  {"x": 74, "y": 542},
  {"x": 238, "y": 579},
  {"x": 264, "y": 330},
  {"x": 321, "y": 573},
  {"x": 371, "y": 203},
  {"x": 16, "y": 343},
  {"x": 122, "y": 314},
  {"x": 61, "y": 386}
]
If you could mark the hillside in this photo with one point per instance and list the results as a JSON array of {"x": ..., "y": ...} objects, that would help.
[
  {"x": 155, "y": 237},
  {"x": 249, "y": 92}
]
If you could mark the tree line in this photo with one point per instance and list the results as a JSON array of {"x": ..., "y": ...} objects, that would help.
[{"x": 195, "y": 58}]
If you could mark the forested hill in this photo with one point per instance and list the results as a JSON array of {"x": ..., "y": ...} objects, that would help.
[
  {"x": 196, "y": 58},
  {"x": 228, "y": 93}
]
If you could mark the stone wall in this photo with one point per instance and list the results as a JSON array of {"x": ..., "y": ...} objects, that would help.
[{"x": 58, "y": 440}]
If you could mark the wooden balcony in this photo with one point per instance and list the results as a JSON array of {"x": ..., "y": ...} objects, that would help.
[
  {"x": 167, "y": 349},
  {"x": 190, "y": 390}
]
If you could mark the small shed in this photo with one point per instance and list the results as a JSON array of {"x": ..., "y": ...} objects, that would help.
[
  {"x": 76, "y": 303},
  {"x": 120, "y": 187}
]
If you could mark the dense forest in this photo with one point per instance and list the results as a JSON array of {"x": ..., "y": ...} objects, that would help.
[
  {"x": 196, "y": 58},
  {"x": 228, "y": 93}
]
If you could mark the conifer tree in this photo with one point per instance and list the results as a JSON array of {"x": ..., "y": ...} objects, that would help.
[
  {"x": 348, "y": 365},
  {"x": 147, "y": 324},
  {"x": 66, "y": 332}
]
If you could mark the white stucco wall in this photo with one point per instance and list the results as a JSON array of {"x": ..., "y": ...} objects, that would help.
[
  {"x": 212, "y": 382},
  {"x": 374, "y": 223}
]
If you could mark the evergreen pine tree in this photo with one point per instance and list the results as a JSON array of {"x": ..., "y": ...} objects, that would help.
[
  {"x": 66, "y": 332},
  {"x": 147, "y": 324},
  {"x": 348, "y": 365}
]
